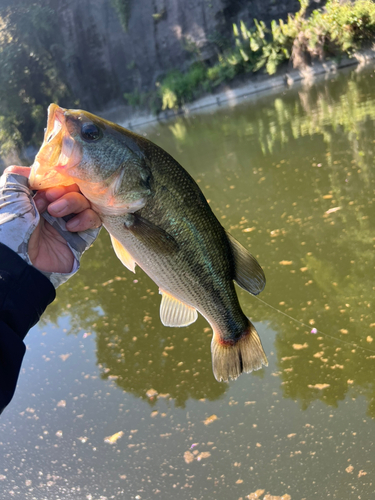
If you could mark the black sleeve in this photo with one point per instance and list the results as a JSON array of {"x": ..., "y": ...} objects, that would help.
[{"x": 24, "y": 295}]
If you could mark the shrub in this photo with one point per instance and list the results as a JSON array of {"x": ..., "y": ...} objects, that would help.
[
  {"x": 337, "y": 29},
  {"x": 178, "y": 88}
]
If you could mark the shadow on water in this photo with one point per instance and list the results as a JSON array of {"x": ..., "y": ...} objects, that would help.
[{"x": 292, "y": 178}]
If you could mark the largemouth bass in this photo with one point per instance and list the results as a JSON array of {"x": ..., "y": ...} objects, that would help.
[{"x": 158, "y": 218}]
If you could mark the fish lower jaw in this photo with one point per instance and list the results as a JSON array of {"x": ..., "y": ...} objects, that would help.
[
  {"x": 110, "y": 210},
  {"x": 107, "y": 205},
  {"x": 47, "y": 179}
]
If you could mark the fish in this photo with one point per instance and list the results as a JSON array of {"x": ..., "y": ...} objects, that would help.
[{"x": 159, "y": 220}]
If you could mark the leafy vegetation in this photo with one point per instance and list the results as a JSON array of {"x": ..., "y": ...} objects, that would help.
[
  {"x": 177, "y": 88},
  {"x": 32, "y": 60},
  {"x": 122, "y": 8},
  {"x": 337, "y": 30},
  {"x": 29, "y": 78},
  {"x": 145, "y": 100}
]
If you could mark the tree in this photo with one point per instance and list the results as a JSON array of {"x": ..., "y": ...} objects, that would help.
[{"x": 31, "y": 68}]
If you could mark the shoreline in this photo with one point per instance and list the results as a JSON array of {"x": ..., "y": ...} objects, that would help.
[{"x": 230, "y": 95}]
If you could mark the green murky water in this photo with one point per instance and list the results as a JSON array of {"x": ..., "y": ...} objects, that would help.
[{"x": 111, "y": 404}]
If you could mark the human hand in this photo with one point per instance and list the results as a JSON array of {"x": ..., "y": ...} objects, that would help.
[{"x": 48, "y": 243}]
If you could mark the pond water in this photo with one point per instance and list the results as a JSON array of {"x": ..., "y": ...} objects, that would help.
[{"x": 111, "y": 404}]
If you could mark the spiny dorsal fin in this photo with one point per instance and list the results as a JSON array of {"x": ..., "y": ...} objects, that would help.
[
  {"x": 173, "y": 312},
  {"x": 123, "y": 254},
  {"x": 249, "y": 275}
]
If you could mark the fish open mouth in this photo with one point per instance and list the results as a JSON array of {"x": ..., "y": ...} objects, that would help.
[{"x": 58, "y": 153}]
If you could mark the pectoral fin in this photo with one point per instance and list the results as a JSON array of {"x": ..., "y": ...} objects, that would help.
[
  {"x": 123, "y": 254},
  {"x": 149, "y": 234},
  {"x": 249, "y": 275},
  {"x": 173, "y": 312}
]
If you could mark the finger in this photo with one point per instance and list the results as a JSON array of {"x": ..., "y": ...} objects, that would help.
[
  {"x": 44, "y": 197},
  {"x": 41, "y": 201},
  {"x": 54, "y": 193},
  {"x": 15, "y": 169},
  {"x": 88, "y": 219},
  {"x": 70, "y": 203}
]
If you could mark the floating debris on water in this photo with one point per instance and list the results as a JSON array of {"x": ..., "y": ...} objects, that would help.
[
  {"x": 64, "y": 357},
  {"x": 332, "y": 210},
  {"x": 257, "y": 494},
  {"x": 188, "y": 457},
  {"x": 210, "y": 419},
  {"x": 114, "y": 438},
  {"x": 319, "y": 386},
  {"x": 298, "y": 347},
  {"x": 151, "y": 393}
]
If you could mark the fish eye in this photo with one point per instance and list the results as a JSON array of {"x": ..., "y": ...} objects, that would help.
[{"x": 90, "y": 132}]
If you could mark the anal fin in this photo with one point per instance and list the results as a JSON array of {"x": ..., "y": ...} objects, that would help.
[
  {"x": 173, "y": 312},
  {"x": 123, "y": 254}
]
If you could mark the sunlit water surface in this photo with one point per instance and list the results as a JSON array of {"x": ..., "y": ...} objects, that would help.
[{"x": 111, "y": 404}]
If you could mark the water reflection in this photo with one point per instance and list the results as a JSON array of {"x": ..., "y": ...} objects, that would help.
[
  {"x": 292, "y": 178},
  {"x": 133, "y": 348}
]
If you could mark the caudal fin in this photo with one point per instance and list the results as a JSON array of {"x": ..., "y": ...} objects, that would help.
[{"x": 246, "y": 355}]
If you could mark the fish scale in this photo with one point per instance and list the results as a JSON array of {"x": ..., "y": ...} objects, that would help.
[{"x": 216, "y": 272}]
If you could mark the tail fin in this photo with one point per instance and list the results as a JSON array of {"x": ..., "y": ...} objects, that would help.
[{"x": 246, "y": 355}]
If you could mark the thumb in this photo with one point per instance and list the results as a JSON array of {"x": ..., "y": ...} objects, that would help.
[{"x": 15, "y": 169}]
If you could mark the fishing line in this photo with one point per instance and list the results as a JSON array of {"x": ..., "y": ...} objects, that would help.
[{"x": 315, "y": 329}]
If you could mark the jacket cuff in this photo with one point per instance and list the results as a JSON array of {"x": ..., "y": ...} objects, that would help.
[{"x": 24, "y": 292}]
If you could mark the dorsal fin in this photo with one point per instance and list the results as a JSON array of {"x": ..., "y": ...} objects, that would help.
[
  {"x": 123, "y": 254},
  {"x": 248, "y": 273},
  {"x": 173, "y": 312}
]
